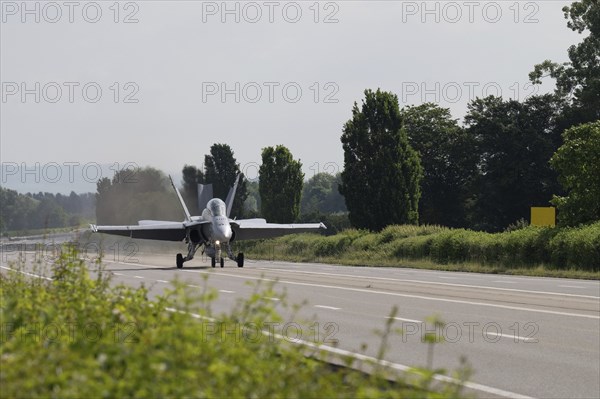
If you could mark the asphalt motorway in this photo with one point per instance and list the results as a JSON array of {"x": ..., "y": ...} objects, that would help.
[{"x": 522, "y": 336}]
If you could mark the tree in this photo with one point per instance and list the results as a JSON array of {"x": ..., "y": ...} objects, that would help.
[
  {"x": 448, "y": 159},
  {"x": 221, "y": 169},
  {"x": 252, "y": 204},
  {"x": 73, "y": 203},
  {"x": 382, "y": 172},
  {"x": 578, "y": 81},
  {"x": 280, "y": 185},
  {"x": 578, "y": 164},
  {"x": 17, "y": 211},
  {"x": 514, "y": 142},
  {"x": 103, "y": 201},
  {"x": 321, "y": 195},
  {"x": 49, "y": 213},
  {"x": 145, "y": 193}
]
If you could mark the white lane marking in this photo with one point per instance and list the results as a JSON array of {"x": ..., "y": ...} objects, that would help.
[
  {"x": 138, "y": 276},
  {"x": 227, "y": 291},
  {"x": 515, "y": 337},
  {"x": 327, "y": 307},
  {"x": 370, "y": 359},
  {"x": 194, "y": 315},
  {"x": 491, "y": 305},
  {"x": 447, "y": 278},
  {"x": 127, "y": 263},
  {"x": 431, "y": 282},
  {"x": 118, "y": 274},
  {"x": 409, "y": 320},
  {"x": 193, "y": 286},
  {"x": 405, "y": 295},
  {"x": 270, "y": 298},
  {"x": 570, "y": 286},
  {"x": 27, "y": 274},
  {"x": 163, "y": 281},
  {"x": 401, "y": 280},
  {"x": 400, "y": 367}
]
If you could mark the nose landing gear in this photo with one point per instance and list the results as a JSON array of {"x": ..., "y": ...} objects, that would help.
[{"x": 214, "y": 252}]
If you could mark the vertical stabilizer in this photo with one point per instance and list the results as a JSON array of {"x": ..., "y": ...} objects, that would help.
[
  {"x": 185, "y": 210},
  {"x": 231, "y": 195},
  {"x": 205, "y": 194}
]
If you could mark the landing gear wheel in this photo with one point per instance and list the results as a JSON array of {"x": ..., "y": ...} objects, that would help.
[
  {"x": 179, "y": 261},
  {"x": 240, "y": 259},
  {"x": 213, "y": 262},
  {"x": 222, "y": 262}
]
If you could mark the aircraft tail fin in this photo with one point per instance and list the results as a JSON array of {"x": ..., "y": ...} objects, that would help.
[
  {"x": 188, "y": 217},
  {"x": 231, "y": 195},
  {"x": 205, "y": 194}
]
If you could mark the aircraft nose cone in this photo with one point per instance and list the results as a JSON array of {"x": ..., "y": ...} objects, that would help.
[
  {"x": 227, "y": 234},
  {"x": 222, "y": 232}
]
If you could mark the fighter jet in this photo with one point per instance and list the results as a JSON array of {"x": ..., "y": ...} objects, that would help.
[{"x": 213, "y": 230}]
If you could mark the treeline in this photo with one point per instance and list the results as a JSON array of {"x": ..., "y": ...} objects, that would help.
[
  {"x": 419, "y": 165},
  {"x": 321, "y": 201},
  {"x": 44, "y": 210},
  {"x": 133, "y": 195},
  {"x": 220, "y": 169},
  {"x": 280, "y": 195}
]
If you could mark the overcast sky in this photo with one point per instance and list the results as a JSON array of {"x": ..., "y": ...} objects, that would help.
[{"x": 157, "y": 82}]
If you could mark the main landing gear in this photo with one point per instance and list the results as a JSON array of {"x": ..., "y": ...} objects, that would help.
[
  {"x": 192, "y": 248},
  {"x": 239, "y": 259},
  {"x": 212, "y": 251}
]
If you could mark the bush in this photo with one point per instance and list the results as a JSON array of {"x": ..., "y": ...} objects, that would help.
[
  {"x": 526, "y": 247},
  {"x": 368, "y": 241},
  {"x": 395, "y": 232},
  {"x": 413, "y": 247},
  {"x": 450, "y": 246},
  {"x": 577, "y": 247},
  {"x": 78, "y": 336},
  {"x": 337, "y": 244}
]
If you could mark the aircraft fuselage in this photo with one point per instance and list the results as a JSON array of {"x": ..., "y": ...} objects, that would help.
[{"x": 220, "y": 230}]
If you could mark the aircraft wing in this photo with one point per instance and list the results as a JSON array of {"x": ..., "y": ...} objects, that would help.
[
  {"x": 252, "y": 229},
  {"x": 163, "y": 231}
]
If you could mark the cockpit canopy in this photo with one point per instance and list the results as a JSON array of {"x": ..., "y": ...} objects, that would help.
[{"x": 216, "y": 207}]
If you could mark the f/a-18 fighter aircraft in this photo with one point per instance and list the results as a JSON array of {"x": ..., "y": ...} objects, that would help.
[{"x": 214, "y": 229}]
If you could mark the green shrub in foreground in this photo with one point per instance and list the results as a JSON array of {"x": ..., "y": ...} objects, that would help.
[{"x": 78, "y": 336}]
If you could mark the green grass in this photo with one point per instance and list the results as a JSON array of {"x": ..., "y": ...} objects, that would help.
[
  {"x": 80, "y": 336},
  {"x": 536, "y": 251}
]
